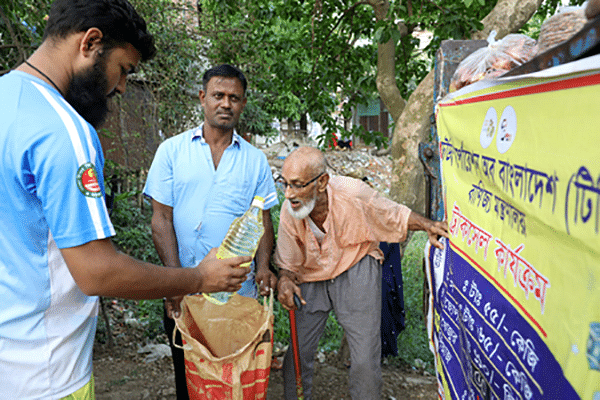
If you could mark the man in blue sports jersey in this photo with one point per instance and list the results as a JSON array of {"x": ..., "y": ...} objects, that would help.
[
  {"x": 199, "y": 182},
  {"x": 56, "y": 255}
]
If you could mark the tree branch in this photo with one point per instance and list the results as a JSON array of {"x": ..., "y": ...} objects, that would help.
[
  {"x": 386, "y": 67},
  {"x": 13, "y": 35},
  {"x": 333, "y": 28},
  {"x": 414, "y": 124},
  {"x": 508, "y": 16},
  {"x": 437, "y": 5}
]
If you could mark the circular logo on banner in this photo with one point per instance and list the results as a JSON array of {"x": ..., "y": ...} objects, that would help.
[
  {"x": 489, "y": 128},
  {"x": 507, "y": 129},
  {"x": 87, "y": 180}
]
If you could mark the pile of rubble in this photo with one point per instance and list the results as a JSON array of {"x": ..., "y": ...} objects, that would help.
[{"x": 362, "y": 162}]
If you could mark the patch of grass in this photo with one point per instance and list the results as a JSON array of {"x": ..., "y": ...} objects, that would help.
[
  {"x": 332, "y": 335},
  {"x": 150, "y": 315},
  {"x": 281, "y": 326},
  {"x": 133, "y": 227},
  {"x": 124, "y": 379},
  {"x": 413, "y": 342}
]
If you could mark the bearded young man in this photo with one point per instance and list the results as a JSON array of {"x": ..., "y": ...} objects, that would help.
[
  {"x": 56, "y": 255},
  {"x": 328, "y": 254}
]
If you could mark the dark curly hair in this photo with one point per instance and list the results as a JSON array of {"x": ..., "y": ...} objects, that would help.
[{"x": 117, "y": 19}]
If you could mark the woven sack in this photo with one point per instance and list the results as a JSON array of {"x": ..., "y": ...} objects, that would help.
[
  {"x": 227, "y": 348},
  {"x": 560, "y": 27}
]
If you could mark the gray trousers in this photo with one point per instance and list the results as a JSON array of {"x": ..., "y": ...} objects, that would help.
[{"x": 355, "y": 297}]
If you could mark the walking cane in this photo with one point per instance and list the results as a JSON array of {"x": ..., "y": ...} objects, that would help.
[{"x": 295, "y": 348}]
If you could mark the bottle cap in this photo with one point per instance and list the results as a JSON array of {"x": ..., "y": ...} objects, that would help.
[{"x": 258, "y": 202}]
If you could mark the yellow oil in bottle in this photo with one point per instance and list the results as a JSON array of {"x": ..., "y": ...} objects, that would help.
[{"x": 242, "y": 239}]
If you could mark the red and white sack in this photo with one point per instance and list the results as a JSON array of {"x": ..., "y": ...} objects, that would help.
[{"x": 227, "y": 348}]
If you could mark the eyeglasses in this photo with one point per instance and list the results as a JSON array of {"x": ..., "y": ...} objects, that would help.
[{"x": 296, "y": 185}]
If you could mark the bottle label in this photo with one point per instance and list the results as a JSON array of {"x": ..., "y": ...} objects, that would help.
[{"x": 258, "y": 202}]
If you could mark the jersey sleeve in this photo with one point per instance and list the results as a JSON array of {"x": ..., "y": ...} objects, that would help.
[{"x": 65, "y": 169}]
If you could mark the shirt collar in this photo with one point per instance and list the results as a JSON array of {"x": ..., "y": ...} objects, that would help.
[{"x": 199, "y": 133}]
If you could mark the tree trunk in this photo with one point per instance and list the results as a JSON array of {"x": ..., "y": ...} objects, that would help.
[
  {"x": 415, "y": 122},
  {"x": 303, "y": 125},
  {"x": 413, "y": 127},
  {"x": 507, "y": 17},
  {"x": 386, "y": 68}
]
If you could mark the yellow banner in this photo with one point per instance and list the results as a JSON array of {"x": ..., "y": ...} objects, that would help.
[{"x": 516, "y": 294}]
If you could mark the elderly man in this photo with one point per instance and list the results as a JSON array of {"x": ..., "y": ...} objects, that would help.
[{"x": 328, "y": 255}]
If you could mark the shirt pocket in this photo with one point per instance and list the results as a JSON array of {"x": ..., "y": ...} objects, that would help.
[{"x": 240, "y": 191}]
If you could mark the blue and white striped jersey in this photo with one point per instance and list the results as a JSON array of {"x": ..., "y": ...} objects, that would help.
[{"x": 51, "y": 184}]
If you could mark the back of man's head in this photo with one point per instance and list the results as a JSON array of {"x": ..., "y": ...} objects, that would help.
[
  {"x": 117, "y": 20},
  {"x": 225, "y": 71}
]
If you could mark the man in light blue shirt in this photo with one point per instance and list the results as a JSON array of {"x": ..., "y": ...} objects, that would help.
[{"x": 199, "y": 182}]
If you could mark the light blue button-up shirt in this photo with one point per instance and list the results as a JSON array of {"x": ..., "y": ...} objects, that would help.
[{"x": 206, "y": 200}]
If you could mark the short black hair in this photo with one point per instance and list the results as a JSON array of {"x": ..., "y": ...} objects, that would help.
[
  {"x": 225, "y": 71},
  {"x": 117, "y": 19}
]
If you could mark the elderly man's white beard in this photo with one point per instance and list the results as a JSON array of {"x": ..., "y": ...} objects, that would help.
[{"x": 304, "y": 210}]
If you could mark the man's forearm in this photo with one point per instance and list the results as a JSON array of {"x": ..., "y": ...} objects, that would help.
[
  {"x": 286, "y": 273},
  {"x": 99, "y": 269},
  {"x": 265, "y": 247},
  {"x": 417, "y": 222},
  {"x": 434, "y": 229},
  {"x": 164, "y": 238},
  {"x": 166, "y": 247}
]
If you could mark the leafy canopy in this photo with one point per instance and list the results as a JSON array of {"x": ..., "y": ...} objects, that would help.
[
  {"x": 320, "y": 57},
  {"x": 301, "y": 57}
]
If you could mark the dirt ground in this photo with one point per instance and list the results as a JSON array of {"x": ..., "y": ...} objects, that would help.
[{"x": 124, "y": 374}]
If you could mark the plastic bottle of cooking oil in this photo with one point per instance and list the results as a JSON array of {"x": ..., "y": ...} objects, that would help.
[{"x": 241, "y": 239}]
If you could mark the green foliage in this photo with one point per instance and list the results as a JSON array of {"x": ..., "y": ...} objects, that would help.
[
  {"x": 150, "y": 315},
  {"x": 301, "y": 57},
  {"x": 332, "y": 335},
  {"x": 174, "y": 75},
  {"x": 132, "y": 227},
  {"x": 320, "y": 57},
  {"x": 281, "y": 326},
  {"x": 21, "y": 29},
  {"x": 413, "y": 341},
  {"x": 276, "y": 210},
  {"x": 255, "y": 119}
]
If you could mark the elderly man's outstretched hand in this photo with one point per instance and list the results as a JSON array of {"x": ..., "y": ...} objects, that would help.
[{"x": 435, "y": 230}]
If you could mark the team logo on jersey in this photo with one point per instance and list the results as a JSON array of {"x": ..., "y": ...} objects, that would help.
[{"x": 87, "y": 180}]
